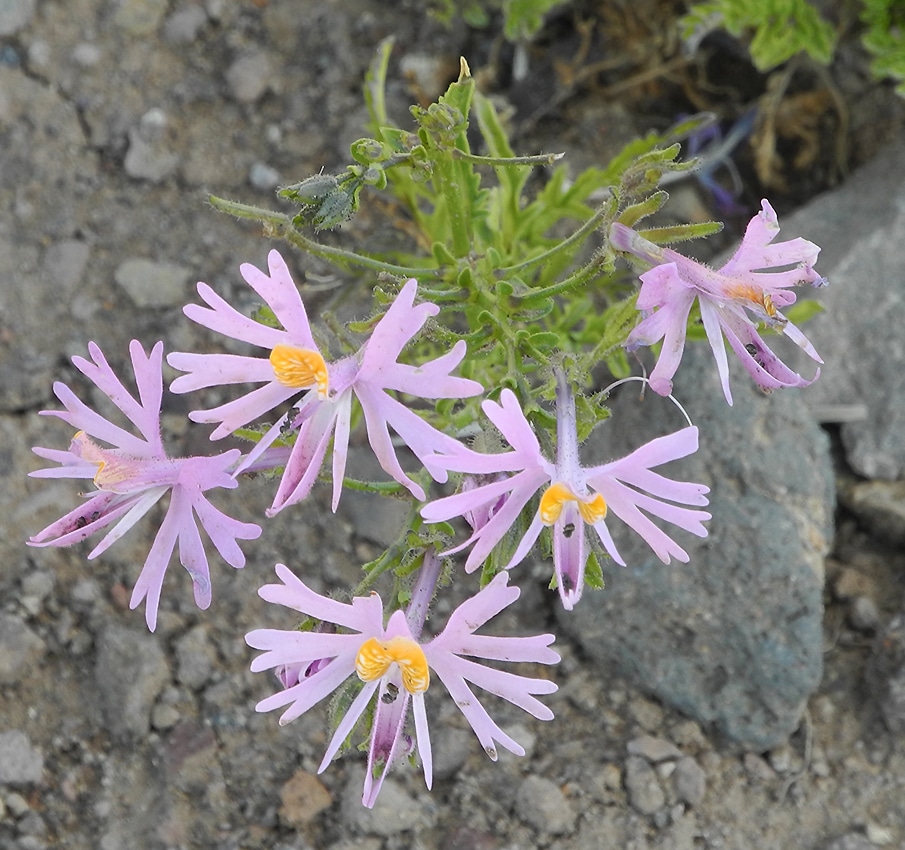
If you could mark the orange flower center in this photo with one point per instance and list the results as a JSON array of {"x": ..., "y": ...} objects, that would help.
[
  {"x": 375, "y": 657},
  {"x": 300, "y": 368},
  {"x": 112, "y": 470},
  {"x": 591, "y": 508},
  {"x": 755, "y": 295}
]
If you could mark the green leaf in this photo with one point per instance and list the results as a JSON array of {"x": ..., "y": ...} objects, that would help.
[
  {"x": 781, "y": 28},
  {"x": 524, "y": 18}
]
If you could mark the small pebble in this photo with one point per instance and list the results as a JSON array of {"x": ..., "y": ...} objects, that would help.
[
  {"x": 689, "y": 781},
  {"x": 262, "y": 176},
  {"x": 863, "y": 614},
  {"x": 653, "y": 749},
  {"x": 644, "y": 792}
]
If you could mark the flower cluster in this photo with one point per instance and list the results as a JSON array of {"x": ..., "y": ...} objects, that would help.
[{"x": 372, "y": 653}]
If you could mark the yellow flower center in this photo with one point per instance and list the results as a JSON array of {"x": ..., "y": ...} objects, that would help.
[
  {"x": 299, "y": 368},
  {"x": 591, "y": 508},
  {"x": 375, "y": 657}
]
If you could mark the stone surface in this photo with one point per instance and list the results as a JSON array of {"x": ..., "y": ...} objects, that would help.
[
  {"x": 20, "y": 649},
  {"x": 20, "y": 762},
  {"x": 734, "y": 637},
  {"x": 879, "y": 505},
  {"x": 150, "y": 283},
  {"x": 860, "y": 228},
  {"x": 15, "y": 14},
  {"x": 653, "y": 749},
  {"x": 645, "y": 794},
  {"x": 542, "y": 804},
  {"x": 303, "y": 797},
  {"x": 689, "y": 781},
  {"x": 131, "y": 671}
]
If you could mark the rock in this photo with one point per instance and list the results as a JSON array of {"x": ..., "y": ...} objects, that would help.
[
  {"x": 860, "y": 228},
  {"x": 20, "y": 762},
  {"x": 130, "y": 673},
  {"x": 140, "y": 17},
  {"x": 451, "y": 747},
  {"x": 733, "y": 638},
  {"x": 148, "y": 160},
  {"x": 303, "y": 797},
  {"x": 15, "y": 15},
  {"x": 863, "y": 614},
  {"x": 880, "y": 506},
  {"x": 20, "y": 649},
  {"x": 183, "y": 26},
  {"x": 645, "y": 794},
  {"x": 689, "y": 781},
  {"x": 395, "y": 811},
  {"x": 653, "y": 749},
  {"x": 540, "y": 803},
  {"x": 64, "y": 265},
  {"x": 263, "y": 177},
  {"x": 195, "y": 658},
  {"x": 249, "y": 76},
  {"x": 153, "y": 284}
]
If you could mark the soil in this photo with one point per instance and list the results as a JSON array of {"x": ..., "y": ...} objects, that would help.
[{"x": 234, "y": 98}]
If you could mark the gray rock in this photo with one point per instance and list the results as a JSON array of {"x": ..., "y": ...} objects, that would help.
[
  {"x": 250, "y": 76},
  {"x": 451, "y": 747},
  {"x": 653, "y": 749},
  {"x": 395, "y": 811},
  {"x": 263, "y": 177},
  {"x": 689, "y": 781},
  {"x": 64, "y": 265},
  {"x": 860, "y": 228},
  {"x": 149, "y": 161},
  {"x": 153, "y": 284},
  {"x": 195, "y": 658},
  {"x": 140, "y": 17},
  {"x": 540, "y": 803},
  {"x": 734, "y": 637},
  {"x": 20, "y": 649},
  {"x": 879, "y": 505},
  {"x": 863, "y": 614},
  {"x": 183, "y": 26},
  {"x": 645, "y": 794},
  {"x": 20, "y": 762},
  {"x": 130, "y": 673},
  {"x": 15, "y": 15}
]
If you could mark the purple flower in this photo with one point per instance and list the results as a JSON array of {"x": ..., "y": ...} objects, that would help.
[
  {"x": 728, "y": 297},
  {"x": 132, "y": 473},
  {"x": 574, "y": 497},
  {"x": 395, "y": 668},
  {"x": 294, "y": 368}
]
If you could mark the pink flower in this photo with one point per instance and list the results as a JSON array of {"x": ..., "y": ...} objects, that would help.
[
  {"x": 134, "y": 475},
  {"x": 728, "y": 297},
  {"x": 394, "y": 668},
  {"x": 294, "y": 368},
  {"x": 574, "y": 497}
]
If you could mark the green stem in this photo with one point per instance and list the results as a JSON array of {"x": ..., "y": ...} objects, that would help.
[
  {"x": 607, "y": 208},
  {"x": 538, "y": 159},
  {"x": 392, "y": 556},
  {"x": 575, "y": 280},
  {"x": 449, "y": 178},
  {"x": 280, "y": 226}
]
